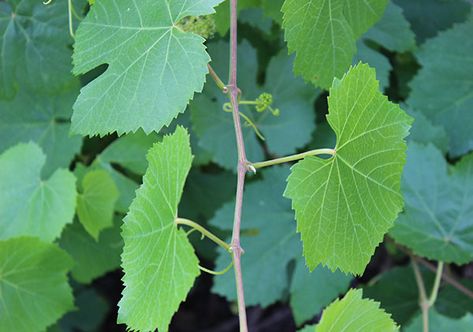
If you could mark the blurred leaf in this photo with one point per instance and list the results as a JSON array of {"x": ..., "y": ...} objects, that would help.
[
  {"x": 425, "y": 132},
  {"x": 44, "y": 119},
  {"x": 92, "y": 258},
  {"x": 439, "y": 323},
  {"x": 33, "y": 284},
  {"x": 442, "y": 89},
  {"x": 438, "y": 218},
  {"x": 28, "y": 204},
  {"x": 375, "y": 59}
]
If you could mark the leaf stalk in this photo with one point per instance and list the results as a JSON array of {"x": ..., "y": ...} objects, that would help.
[
  {"x": 203, "y": 231},
  {"x": 294, "y": 157}
]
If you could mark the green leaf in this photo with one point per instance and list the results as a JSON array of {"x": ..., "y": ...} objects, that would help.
[
  {"x": 154, "y": 67},
  {"x": 425, "y": 132},
  {"x": 270, "y": 244},
  {"x": 33, "y": 283},
  {"x": 439, "y": 323},
  {"x": 438, "y": 218},
  {"x": 428, "y": 17},
  {"x": 344, "y": 205},
  {"x": 154, "y": 248},
  {"x": 272, "y": 8},
  {"x": 392, "y": 31},
  {"x": 323, "y": 34},
  {"x": 130, "y": 151},
  {"x": 375, "y": 59},
  {"x": 442, "y": 88},
  {"x": 44, "y": 119},
  {"x": 28, "y": 204},
  {"x": 311, "y": 292},
  {"x": 95, "y": 205},
  {"x": 222, "y": 13},
  {"x": 352, "y": 313},
  {"x": 93, "y": 258},
  {"x": 34, "y": 43},
  {"x": 454, "y": 303},
  {"x": 309, "y": 328}
]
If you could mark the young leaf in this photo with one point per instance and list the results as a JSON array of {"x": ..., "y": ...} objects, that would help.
[
  {"x": 352, "y": 313},
  {"x": 438, "y": 218},
  {"x": 154, "y": 66},
  {"x": 442, "y": 88},
  {"x": 28, "y": 204},
  {"x": 323, "y": 34},
  {"x": 34, "y": 46},
  {"x": 344, "y": 205},
  {"x": 44, "y": 119},
  {"x": 33, "y": 283},
  {"x": 439, "y": 323},
  {"x": 159, "y": 263},
  {"x": 311, "y": 292},
  {"x": 95, "y": 205},
  {"x": 93, "y": 258}
]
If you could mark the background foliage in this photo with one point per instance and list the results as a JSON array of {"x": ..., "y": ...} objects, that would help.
[{"x": 60, "y": 255}]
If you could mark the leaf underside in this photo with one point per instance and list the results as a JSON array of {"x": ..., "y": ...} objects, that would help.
[{"x": 159, "y": 262}]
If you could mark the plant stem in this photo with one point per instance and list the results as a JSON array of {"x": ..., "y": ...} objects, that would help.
[
  {"x": 217, "y": 79},
  {"x": 293, "y": 157},
  {"x": 242, "y": 167},
  {"x": 203, "y": 231},
  {"x": 423, "y": 301},
  {"x": 435, "y": 288}
]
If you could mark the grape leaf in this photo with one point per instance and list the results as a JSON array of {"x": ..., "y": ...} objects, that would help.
[
  {"x": 34, "y": 46},
  {"x": 272, "y": 8},
  {"x": 428, "y": 17},
  {"x": 92, "y": 258},
  {"x": 311, "y": 292},
  {"x": 29, "y": 205},
  {"x": 154, "y": 248},
  {"x": 424, "y": 131},
  {"x": 308, "y": 328},
  {"x": 154, "y": 67},
  {"x": 323, "y": 34},
  {"x": 375, "y": 59},
  {"x": 352, "y": 313},
  {"x": 270, "y": 245},
  {"x": 43, "y": 118},
  {"x": 95, "y": 205},
  {"x": 437, "y": 222},
  {"x": 442, "y": 89},
  {"x": 344, "y": 205},
  {"x": 33, "y": 283},
  {"x": 222, "y": 13},
  {"x": 439, "y": 323},
  {"x": 392, "y": 31}
]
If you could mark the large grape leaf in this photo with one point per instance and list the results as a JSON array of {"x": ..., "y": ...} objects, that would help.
[
  {"x": 424, "y": 131},
  {"x": 34, "y": 292},
  {"x": 438, "y": 218},
  {"x": 44, "y": 119},
  {"x": 271, "y": 242},
  {"x": 159, "y": 263},
  {"x": 96, "y": 202},
  {"x": 323, "y": 34},
  {"x": 344, "y": 205},
  {"x": 28, "y": 204},
  {"x": 440, "y": 323},
  {"x": 311, "y": 292},
  {"x": 34, "y": 48},
  {"x": 92, "y": 257},
  {"x": 442, "y": 89},
  {"x": 154, "y": 66},
  {"x": 352, "y": 313},
  {"x": 392, "y": 31},
  {"x": 428, "y": 17}
]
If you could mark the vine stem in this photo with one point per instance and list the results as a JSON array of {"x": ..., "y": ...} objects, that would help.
[
  {"x": 424, "y": 302},
  {"x": 242, "y": 167},
  {"x": 293, "y": 157},
  {"x": 203, "y": 231}
]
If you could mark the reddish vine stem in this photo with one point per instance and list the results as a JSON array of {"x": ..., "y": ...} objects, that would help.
[{"x": 242, "y": 167}]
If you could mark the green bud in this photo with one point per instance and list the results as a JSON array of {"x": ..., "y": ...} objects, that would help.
[
  {"x": 263, "y": 101},
  {"x": 201, "y": 25}
]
